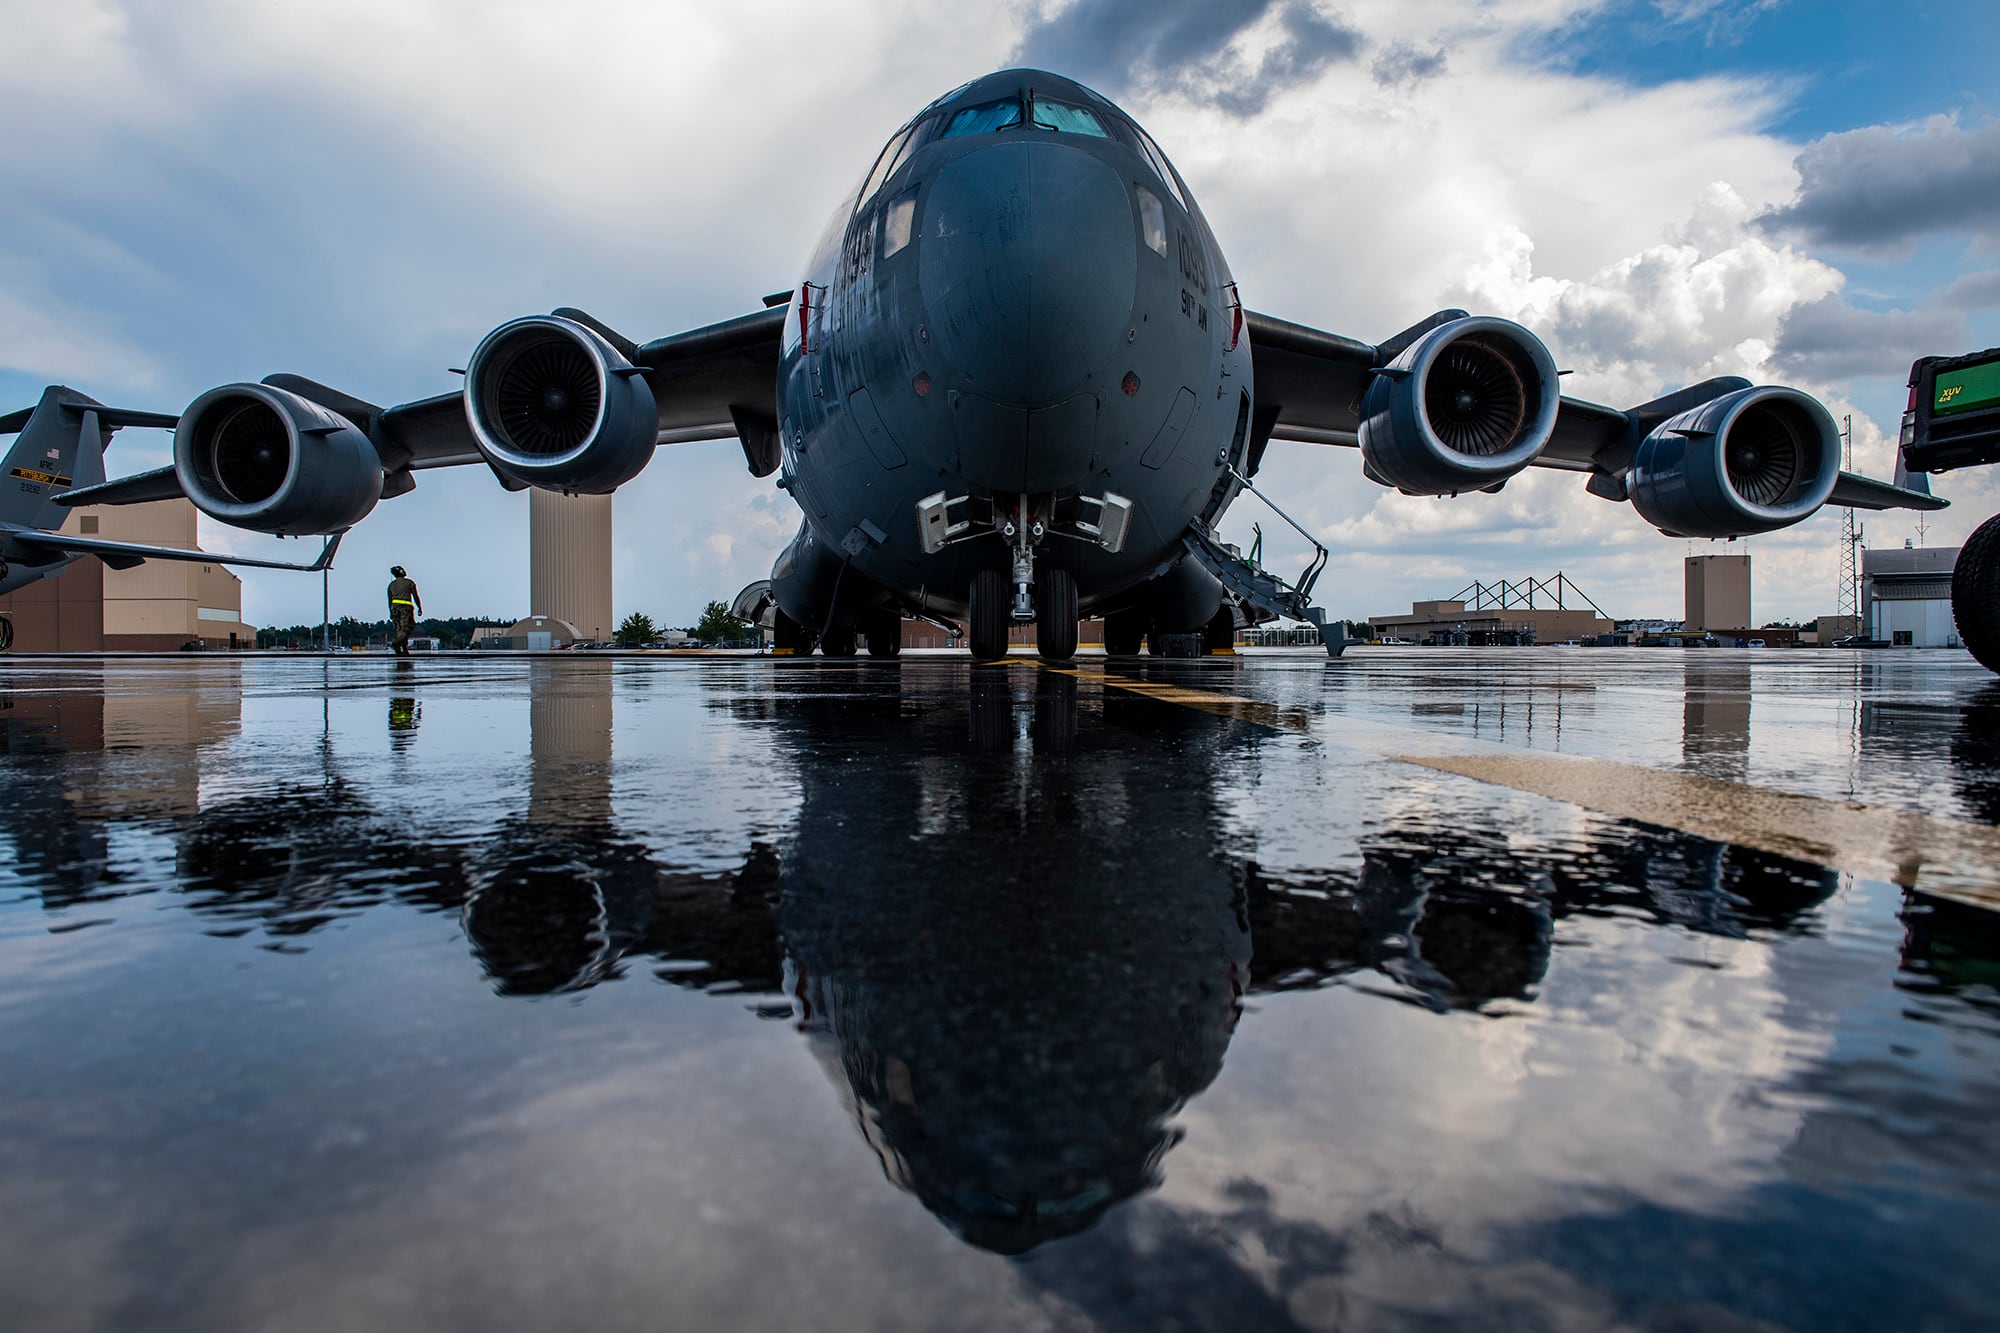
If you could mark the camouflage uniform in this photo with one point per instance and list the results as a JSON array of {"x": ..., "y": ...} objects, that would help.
[{"x": 404, "y": 603}]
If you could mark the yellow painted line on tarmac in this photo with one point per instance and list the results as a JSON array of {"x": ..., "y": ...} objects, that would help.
[
  {"x": 1232, "y": 706},
  {"x": 1950, "y": 858}
]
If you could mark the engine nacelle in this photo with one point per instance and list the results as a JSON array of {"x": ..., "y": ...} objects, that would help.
[
  {"x": 1466, "y": 406},
  {"x": 554, "y": 405},
  {"x": 266, "y": 459},
  {"x": 1751, "y": 461}
]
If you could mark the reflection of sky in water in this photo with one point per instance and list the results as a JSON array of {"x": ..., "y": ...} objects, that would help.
[{"x": 435, "y": 995}]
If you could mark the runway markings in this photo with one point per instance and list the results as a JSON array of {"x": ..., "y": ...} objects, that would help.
[{"x": 1950, "y": 858}]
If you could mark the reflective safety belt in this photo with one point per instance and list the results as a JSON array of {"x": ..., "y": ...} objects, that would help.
[{"x": 398, "y": 601}]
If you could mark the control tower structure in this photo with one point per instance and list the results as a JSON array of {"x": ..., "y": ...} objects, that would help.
[{"x": 569, "y": 560}]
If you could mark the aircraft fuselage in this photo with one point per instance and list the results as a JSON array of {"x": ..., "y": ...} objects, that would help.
[{"x": 1021, "y": 306}]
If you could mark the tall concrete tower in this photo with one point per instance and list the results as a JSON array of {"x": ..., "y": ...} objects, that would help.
[
  {"x": 569, "y": 560},
  {"x": 1718, "y": 592}
]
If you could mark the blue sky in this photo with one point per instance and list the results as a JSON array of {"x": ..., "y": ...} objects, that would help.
[{"x": 1664, "y": 189}]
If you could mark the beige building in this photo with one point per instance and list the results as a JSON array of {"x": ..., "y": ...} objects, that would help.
[
  {"x": 157, "y": 606},
  {"x": 1491, "y": 624},
  {"x": 1718, "y": 592},
  {"x": 569, "y": 561}
]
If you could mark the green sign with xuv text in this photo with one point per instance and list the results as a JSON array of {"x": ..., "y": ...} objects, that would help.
[{"x": 1966, "y": 388}]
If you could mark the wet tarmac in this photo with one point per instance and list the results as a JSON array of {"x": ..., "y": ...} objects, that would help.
[{"x": 1425, "y": 989}]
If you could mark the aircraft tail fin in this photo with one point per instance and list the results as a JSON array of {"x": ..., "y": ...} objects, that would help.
[{"x": 60, "y": 448}]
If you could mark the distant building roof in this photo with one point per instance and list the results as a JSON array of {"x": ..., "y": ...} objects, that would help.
[
  {"x": 1931, "y": 561},
  {"x": 561, "y": 629}
]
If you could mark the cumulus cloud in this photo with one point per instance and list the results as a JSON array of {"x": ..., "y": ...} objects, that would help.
[
  {"x": 1883, "y": 187},
  {"x": 1711, "y": 301},
  {"x": 1404, "y": 63},
  {"x": 1829, "y": 339},
  {"x": 361, "y": 201},
  {"x": 1233, "y": 55},
  {"x": 1973, "y": 291}
]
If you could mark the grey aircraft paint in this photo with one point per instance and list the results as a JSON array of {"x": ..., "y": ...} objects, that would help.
[{"x": 1018, "y": 314}]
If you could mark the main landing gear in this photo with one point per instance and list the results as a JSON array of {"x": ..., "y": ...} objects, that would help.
[
  {"x": 881, "y": 630},
  {"x": 1975, "y": 594},
  {"x": 791, "y": 639}
]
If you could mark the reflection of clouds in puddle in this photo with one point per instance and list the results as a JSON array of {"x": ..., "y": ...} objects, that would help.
[{"x": 1628, "y": 1078}]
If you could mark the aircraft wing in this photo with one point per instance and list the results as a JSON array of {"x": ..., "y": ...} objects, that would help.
[
  {"x": 708, "y": 383},
  {"x": 701, "y": 380},
  {"x": 124, "y": 555},
  {"x": 1310, "y": 384}
]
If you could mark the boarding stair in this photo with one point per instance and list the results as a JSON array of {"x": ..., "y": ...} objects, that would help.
[{"x": 1262, "y": 595}]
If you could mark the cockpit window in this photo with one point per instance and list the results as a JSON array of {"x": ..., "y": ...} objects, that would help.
[
  {"x": 1157, "y": 160},
  {"x": 984, "y": 119},
  {"x": 896, "y": 154},
  {"x": 1067, "y": 119}
]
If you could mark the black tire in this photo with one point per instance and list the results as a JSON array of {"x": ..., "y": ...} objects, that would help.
[
  {"x": 6, "y": 633},
  {"x": 1055, "y": 615},
  {"x": 987, "y": 634},
  {"x": 885, "y": 634},
  {"x": 1220, "y": 636},
  {"x": 788, "y": 636},
  {"x": 1124, "y": 634},
  {"x": 839, "y": 641},
  {"x": 1975, "y": 594}
]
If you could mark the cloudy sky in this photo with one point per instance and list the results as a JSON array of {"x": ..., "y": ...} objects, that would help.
[{"x": 213, "y": 190}]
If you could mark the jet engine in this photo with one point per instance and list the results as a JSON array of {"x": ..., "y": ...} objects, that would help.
[
  {"x": 1462, "y": 408},
  {"x": 263, "y": 458},
  {"x": 554, "y": 405},
  {"x": 1751, "y": 461}
]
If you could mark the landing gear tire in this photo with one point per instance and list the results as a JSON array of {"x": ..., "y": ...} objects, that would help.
[
  {"x": 1975, "y": 594},
  {"x": 1124, "y": 633},
  {"x": 885, "y": 634},
  {"x": 838, "y": 641},
  {"x": 1055, "y": 615},
  {"x": 789, "y": 637},
  {"x": 989, "y": 616},
  {"x": 1220, "y": 636},
  {"x": 6, "y": 633}
]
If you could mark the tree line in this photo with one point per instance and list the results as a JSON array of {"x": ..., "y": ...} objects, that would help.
[
  {"x": 716, "y": 626},
  {"x": 347, "y": 632}
]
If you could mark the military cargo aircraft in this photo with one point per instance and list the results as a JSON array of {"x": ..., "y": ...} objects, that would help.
[
  {"x": 61, "y": 446},
  {"x": 1016, "y": 383}
]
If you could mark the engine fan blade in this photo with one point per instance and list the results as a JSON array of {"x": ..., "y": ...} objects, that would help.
[
  {"x": 548, "y": 398},
  {"x": 1763, "y": 458},
  {"x": 1474, "y": 399},
  {"x": 251, "y": 454}
]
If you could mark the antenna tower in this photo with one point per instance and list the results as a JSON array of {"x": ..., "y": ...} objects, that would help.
[{"x": 1849, "y": 602}]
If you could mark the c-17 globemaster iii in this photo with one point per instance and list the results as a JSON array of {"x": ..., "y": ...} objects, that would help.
[
  {"x": 61, "y": 447},
  {"x": 1016, "y": 383}
]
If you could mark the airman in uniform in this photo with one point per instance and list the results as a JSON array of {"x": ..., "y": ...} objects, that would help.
[{"x": 405, "y": 605}]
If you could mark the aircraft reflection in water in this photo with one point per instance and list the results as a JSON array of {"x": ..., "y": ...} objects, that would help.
[{"x": 1013, "y": 1031}]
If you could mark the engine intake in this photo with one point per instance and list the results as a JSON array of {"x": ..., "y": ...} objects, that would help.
[
  {"x": 1467, "y": 405},
  {"x": 554, "y": 405},
  {"x": 265, "y": 459},
  {"x": 1751, "y": 461}
]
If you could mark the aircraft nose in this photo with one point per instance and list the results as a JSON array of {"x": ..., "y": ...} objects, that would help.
[{"x": 1028, "y": 269}]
